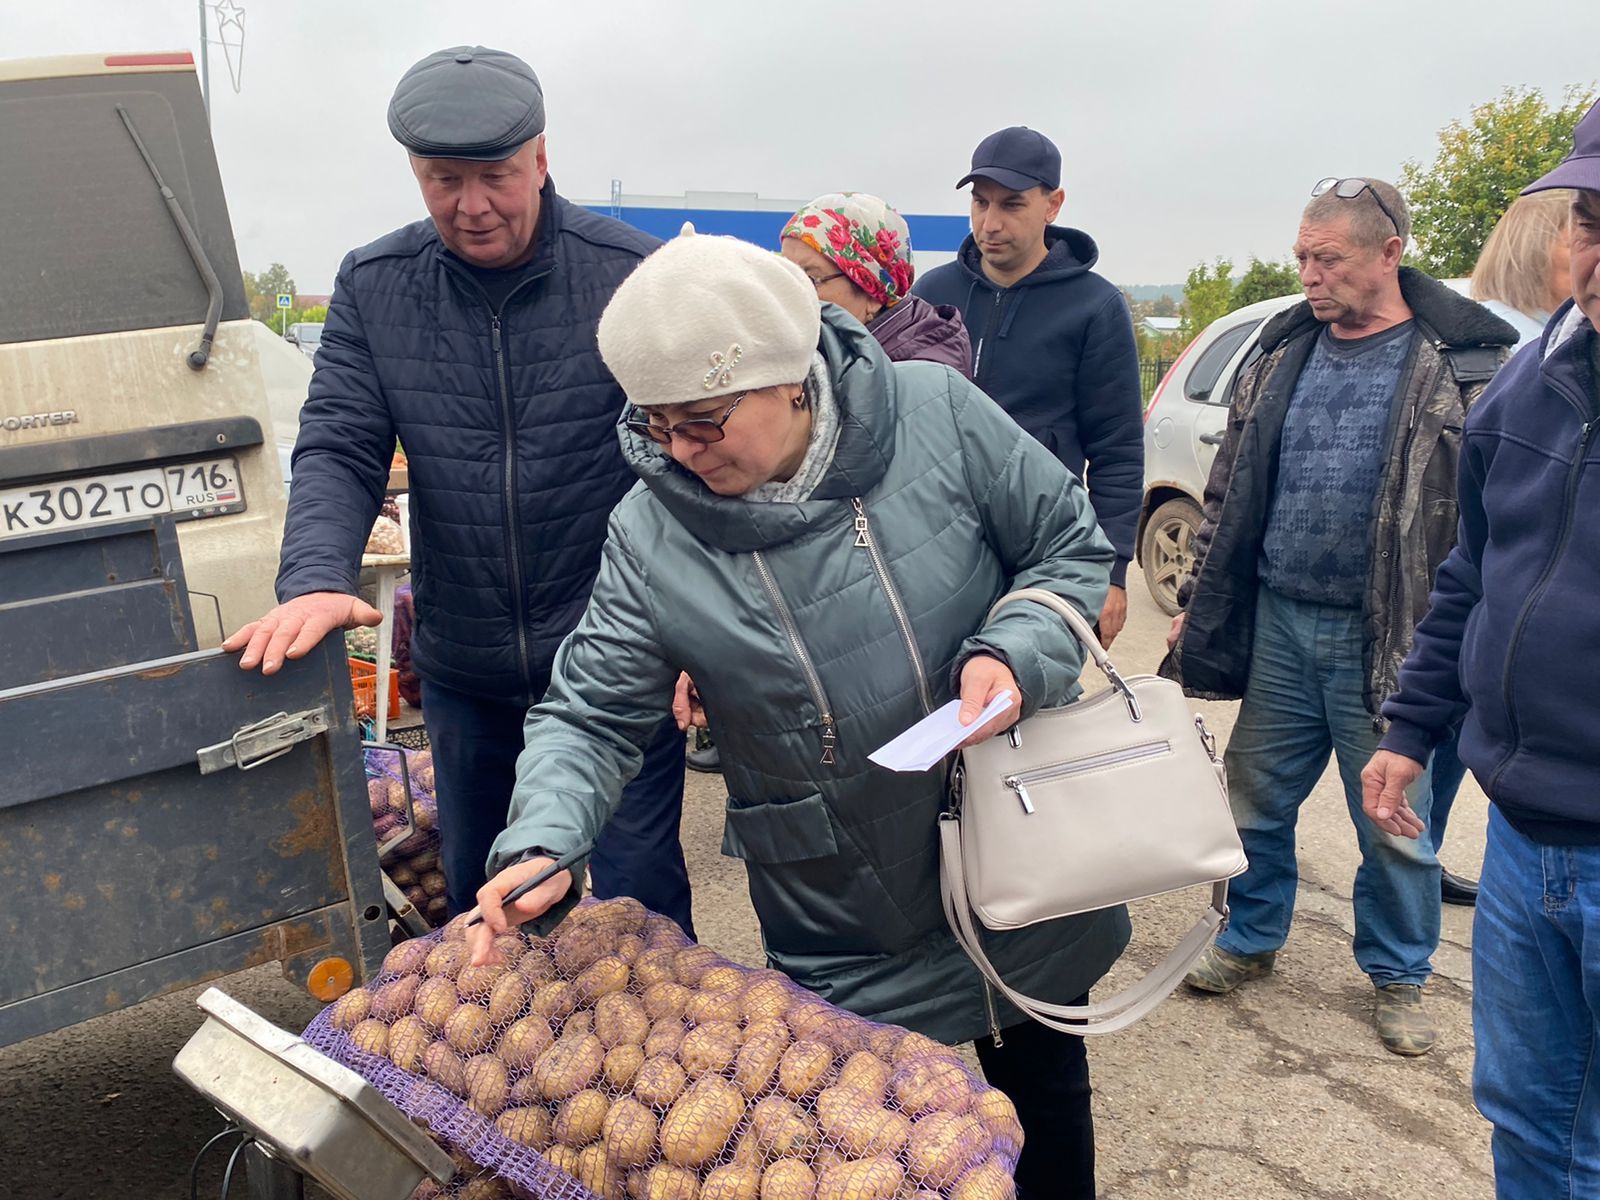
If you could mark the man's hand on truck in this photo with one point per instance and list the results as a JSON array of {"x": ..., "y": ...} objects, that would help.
[{"x": 294, "y": 628}]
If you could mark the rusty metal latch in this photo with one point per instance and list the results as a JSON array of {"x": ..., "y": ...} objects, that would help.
[{"x": 260, "y": 743}]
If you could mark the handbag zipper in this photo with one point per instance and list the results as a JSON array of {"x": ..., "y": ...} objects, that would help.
[
  {"x": 864, "y": 539},
  {"x": 1019, "y": 782},
  {"x": 830, "y": 733}
]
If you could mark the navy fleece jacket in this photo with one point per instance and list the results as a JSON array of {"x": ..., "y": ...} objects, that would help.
[
  {"x": 1056, "y": 351},
  {"x": 1512, "y": 638}
]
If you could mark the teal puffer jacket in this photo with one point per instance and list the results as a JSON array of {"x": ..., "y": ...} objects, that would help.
[{"x": 784, "y": 617}]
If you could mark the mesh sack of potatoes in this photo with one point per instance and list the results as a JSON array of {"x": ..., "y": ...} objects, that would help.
[
  {"x": 412, "y": 861},
  {"x": 616, "y": 1059}
]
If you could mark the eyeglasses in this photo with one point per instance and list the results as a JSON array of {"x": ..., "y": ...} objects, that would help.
[
  {"x": 1349, "y": 189},
  {"x": 818, "y": 280},
  {"x": 700, "y": 430}
]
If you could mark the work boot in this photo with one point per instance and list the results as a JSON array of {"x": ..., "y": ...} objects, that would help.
[
  {"x": 1404, "y": 1026},
  {"x": 704, "y": 757},
  {"x": 1219, "y": 972},
  {"x": 1457, "y": 889}
]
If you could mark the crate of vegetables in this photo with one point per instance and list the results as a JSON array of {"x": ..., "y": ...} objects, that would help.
[{"x": 405, "y": 819}]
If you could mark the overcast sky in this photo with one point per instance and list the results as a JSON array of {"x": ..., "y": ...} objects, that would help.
[{"x": 1188, "y": 128}]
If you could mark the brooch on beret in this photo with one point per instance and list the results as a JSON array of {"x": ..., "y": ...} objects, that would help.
[{"x": 721, "y": 373}]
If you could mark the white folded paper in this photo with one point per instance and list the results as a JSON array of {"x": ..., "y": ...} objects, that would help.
[{"x": 938, "y": 733}]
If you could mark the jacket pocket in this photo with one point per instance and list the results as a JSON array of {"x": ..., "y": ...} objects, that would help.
[{"x": 784, "y": 832}]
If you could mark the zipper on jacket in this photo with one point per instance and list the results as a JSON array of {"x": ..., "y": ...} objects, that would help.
[
  {"x": 983, "y": 338},
  {"x": 1020, "y": 781},
  {"x": 1569, "y": 503},
  {"x": 994, "y": 1017},
  {"x": 830, "y": 732},
  {"x": 509, "y": 491},
  {"x": 864, "y": 539}
]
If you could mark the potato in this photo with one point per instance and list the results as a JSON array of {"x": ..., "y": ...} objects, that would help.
[
  {"x": 735, "y": 1181},
  {"x": 701, "y": 1121},
  {"x": 408, "y": 1038},
  {"x": 629, "y": 947},
  {"x": 562, "y": 1158},
  {"x": 507, "y": 998},
  {"x": 870, "y": 1179},
  {"x": 999, "y": 1117},
  {"x": 371, "y": 1035},
  {"x": 665, "y": 1038},
  {"x": 485, "y": 1187},
  {"x": 987, "y": 1181},
  {"x": 448, "y": 958},
  {"x": 931, "y": 1083},
  {"x": 918, "y": 1045},
  {"x": 802, "y": 1068},
  {"x": 774, "y": 1027},
  {"x": 436, "y": 910},
  {"x": 827, "y": 1155},
  {"x": 485, "y": 1077},
  {"x": 621, "y": 913},
  {"x": 780, "y": 1128},
  {"x": 523, "y": 1093},
  {"x": 555, "y": 999},
  {"x": 524, "y": 1041},
  {"x": 350, "y": 1009},
  {"x": 443, "y": 1065},
  {"x": 433, "y": 882},
  {"x": 602, "y": 977},
  {"x": 622, "y": 1065},
  {"x": 578, "y": 944},
  {"x": 709, "y": 1049},
  {"x": 394, "y": 795},
  {"x": 603, "y": 1178},
  {"x": 526, "y": 1126},
  {"x": 407, "y": 958},
  {"x": 659, "y": 1082},
  {"x": 577, "y": 1024},
  {"x": 943, "y": 1145},
  {"x": 579, "y": 1120},
  {"x": 757, "y": 1063},
  {"x": 475, "y": 983},
  {"x": 866, "y": 1072},
  {"x": 468, "y": 1029},
  {"x": 629, "y": 1132},
  {"x": 883, "y": 1041},
  {"x": 569, "y": 1066},
  {"x": 768, "y": 994},
  {"x": 535, "y": 965},
  {"x": 659, "y": 931},
  {"x": 808, "y": 1016},
  {"x": 723, "y": 979},
  {"x": 704, "y": 1008},
  {"x": 653, "y": 966},
  {"x": 620, "y": 1019},
  {"x": 402, "y": 876},
  {"x": 394, "y": 999},
  {"x": 436, "y": 1000},
  {"x": 788, "y": 1179},
  {"x": 691, "y": 964},
  {"x": 666, "y": 999},
  {"x": 509, "y": 946},
  {"x": 416, "y": 896},
  {"x": 666, "y": 1182},
  {"x": 859, "y": 1124}
]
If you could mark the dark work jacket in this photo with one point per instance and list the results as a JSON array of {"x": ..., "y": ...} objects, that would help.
[
  {"x": 1513, "y": 635},
  {"x": 509, "y": 425},
  {"x": 915, "y": 330},
  {"x": 1056, "y": 351}
]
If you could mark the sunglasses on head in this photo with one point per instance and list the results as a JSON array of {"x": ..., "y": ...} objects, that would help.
[
  {"x": 702, "y": 430},
  {"x": 1349, "y": 189}
]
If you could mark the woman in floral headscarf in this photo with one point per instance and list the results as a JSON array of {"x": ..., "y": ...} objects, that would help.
[{"x": 856, "y": 250}]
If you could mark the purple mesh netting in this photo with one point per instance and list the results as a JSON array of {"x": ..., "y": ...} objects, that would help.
[{"x": 618, "y": 1060}]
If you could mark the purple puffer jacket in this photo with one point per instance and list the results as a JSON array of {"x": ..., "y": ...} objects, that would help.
[{"x": 915, "y": 329}]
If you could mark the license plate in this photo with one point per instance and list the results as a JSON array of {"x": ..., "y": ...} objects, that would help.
[{"x": 183, "y": 491}]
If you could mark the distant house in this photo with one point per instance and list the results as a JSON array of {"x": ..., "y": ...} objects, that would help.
[{"x": 1160, "y": 326}]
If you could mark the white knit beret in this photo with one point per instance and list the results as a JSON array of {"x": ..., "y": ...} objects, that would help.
[{"x": 708, "y": 316}]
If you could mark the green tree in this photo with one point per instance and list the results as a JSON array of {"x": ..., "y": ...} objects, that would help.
[
  {"x": 262, "y": 292},
  {"x": 1480, "y": 167},
  {"x": 1264, "y": 281},
  {"x": 1164, "y": 306},
  {"x": 1207, "y": 295}
]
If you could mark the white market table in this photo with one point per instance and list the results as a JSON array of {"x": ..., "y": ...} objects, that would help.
[{"x": 389, "y": 569}]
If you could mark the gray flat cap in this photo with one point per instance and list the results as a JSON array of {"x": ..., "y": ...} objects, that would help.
[{"x": 467, "y": 102}]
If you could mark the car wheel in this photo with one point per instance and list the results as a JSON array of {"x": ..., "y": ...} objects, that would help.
[{"x": 1168, "y": 550}]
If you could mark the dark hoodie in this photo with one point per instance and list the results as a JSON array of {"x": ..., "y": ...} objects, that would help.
[
  {"x": 1056, "y": 351},
  {"x": 916, "y": 330}
]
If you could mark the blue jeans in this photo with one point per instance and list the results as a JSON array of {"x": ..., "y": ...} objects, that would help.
[
  {"x": 1303, "y": 700},
  {"x": 1536, "y": 1014},
  {"x": 476, "y": 741},
  {"x": 1448, "y": 771}
]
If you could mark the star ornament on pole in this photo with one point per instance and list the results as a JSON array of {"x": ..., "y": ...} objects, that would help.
[{"x": 230, "y": 35}]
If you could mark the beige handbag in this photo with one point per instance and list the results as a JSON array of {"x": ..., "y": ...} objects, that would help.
[{"x": 1117, "y": 797}]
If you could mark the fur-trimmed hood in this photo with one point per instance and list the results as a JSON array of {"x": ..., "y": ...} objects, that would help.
[{"x": 1449, "y": 317}]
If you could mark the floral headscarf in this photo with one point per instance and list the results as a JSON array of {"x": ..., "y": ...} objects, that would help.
[{"x": 863, "y": 237}]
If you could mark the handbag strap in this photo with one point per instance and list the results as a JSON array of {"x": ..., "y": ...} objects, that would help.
[
  {"x": 1081, "y": 629},
  {"x": 1106, "y": 1016}
]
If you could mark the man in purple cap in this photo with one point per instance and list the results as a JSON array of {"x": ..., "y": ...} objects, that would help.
[
  {"x": 1512, "y": 640},
  {"x": 1052, "y": 341}
]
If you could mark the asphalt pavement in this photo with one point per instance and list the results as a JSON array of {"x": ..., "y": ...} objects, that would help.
[{"x": 1280, "y": 1090}]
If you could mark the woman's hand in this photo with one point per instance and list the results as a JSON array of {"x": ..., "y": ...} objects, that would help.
[
  {"x": 982, "y": 679},
  {"x": 497, "y": 918},
  {"x": 686, "y": 707}
]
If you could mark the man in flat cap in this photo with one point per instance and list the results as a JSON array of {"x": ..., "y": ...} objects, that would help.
[{"x": 471, "y": 337}]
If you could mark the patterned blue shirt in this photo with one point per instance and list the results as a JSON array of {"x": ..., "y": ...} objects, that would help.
[{"x": 1318, "y": 544}]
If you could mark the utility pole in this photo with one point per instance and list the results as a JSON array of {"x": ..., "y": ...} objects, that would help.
[{"x": 205, "y": 62}]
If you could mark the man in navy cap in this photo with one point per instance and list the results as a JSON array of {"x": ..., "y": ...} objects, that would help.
[
  {"x": 1052, "y": 341},
  {"x": 1512, "y": 640},
  {"x": 471, "y": 337}
]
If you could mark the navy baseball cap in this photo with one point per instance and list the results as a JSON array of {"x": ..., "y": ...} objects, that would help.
[
  {"x": 1018, "y": 158},
  {"x": 467, "y": 102},
  {"x": 1581, "y": 168}
]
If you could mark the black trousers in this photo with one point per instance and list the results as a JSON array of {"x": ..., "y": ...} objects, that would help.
[
  {"x": 1046, "y": 1075},
  {"x": 476, "y": 741}
]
